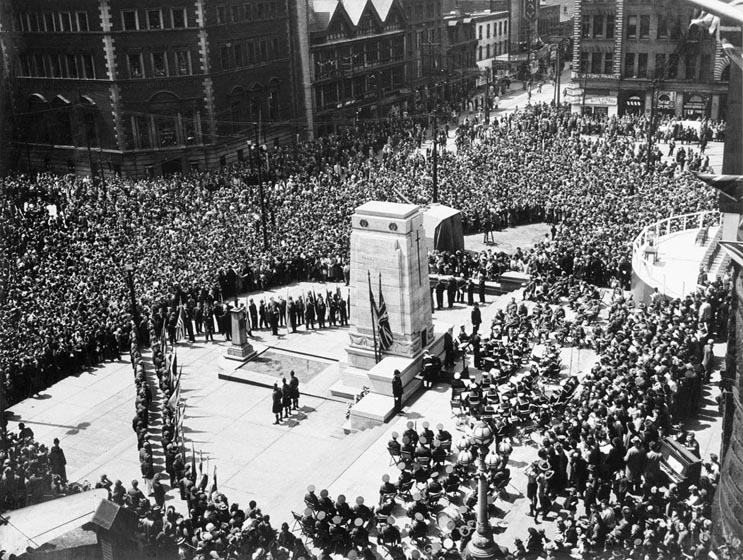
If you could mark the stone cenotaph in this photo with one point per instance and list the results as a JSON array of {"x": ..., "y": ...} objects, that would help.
[{"x": 388, "y": 251}]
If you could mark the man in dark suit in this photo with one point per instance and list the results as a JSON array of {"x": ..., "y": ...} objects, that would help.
[
  {"x": 282, "y": 312},
  {"x": 440, "y": 289},
  {"x": 253, "y": 311},
  {"x": 397, "y": 391},
  {"x": 292, "y": 310},
  {"x": 451, "y": 291}
]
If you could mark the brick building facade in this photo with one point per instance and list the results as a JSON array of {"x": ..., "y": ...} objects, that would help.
[
  {"x": 114, "y": 87},
  {"x": 632, "y": 57},
  {"x": 356, "y": 68}
]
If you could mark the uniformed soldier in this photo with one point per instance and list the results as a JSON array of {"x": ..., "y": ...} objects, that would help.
[
  {"x": 309, "y": 313},
  {"x": 292, "y": 310},
  {"x": 320, "y": 309}
]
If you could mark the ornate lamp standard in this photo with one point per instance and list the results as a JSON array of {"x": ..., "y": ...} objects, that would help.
[{"x": 481, "y": 545}]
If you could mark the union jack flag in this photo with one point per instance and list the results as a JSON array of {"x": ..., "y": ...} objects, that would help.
[{"x": 383, "y": 321}]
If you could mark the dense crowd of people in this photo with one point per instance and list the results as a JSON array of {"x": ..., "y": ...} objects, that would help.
[
  {"x": 196, "y": 242},
  {"x": 65, "y": 304}
]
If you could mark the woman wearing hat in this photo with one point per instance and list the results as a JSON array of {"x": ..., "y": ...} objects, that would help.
[{"x": 277, "y": 406}]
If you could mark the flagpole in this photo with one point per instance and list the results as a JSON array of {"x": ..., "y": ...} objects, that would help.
[{"x": 373, "y": 318}]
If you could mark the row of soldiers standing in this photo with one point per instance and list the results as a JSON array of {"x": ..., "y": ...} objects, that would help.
[{"x": 305, "y": 310}]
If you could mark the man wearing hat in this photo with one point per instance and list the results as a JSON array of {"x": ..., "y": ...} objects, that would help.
[{"x": 397, "y": 391}]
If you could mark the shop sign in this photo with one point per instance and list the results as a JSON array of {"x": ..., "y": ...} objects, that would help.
[
  {"x": 600, "y": 100},
  {"x": 666, "y": 100}
]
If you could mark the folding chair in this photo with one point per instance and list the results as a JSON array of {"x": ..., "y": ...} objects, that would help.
[
  {"x": 394, "y": 457},
  {"x": 297, "y": 521},
  {"x": 404, "y": 491}
]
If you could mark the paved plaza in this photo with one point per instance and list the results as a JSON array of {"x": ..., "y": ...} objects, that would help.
[{"x": 230, "y": 425}]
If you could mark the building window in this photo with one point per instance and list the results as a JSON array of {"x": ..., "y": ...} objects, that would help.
[
  {"x": 72, "y": 66},
  {"x": 183, "y": 62},
  {"x": 235, "y": 14},
  {"x": 178, "y": 17},
  {"x": 129, "y": 20},
  {"x": 237, "y": 53},
  {"x": 50, "y": 22},
  {"x": 65, "y": 21},
  {"x": 159, "y": 65},
  {"x": 632, "y": 27},
  {"x": 142, "y": 127},
  {"x": 250, "y": 53},
  {"x": 691, "y": 66},
  {"x": 500, "y": 28},
  {"x": 662, "y": 27},
  {"x": 505, "y": 26},
  {"x": 263, "y": 55},
  {"x": 82, "y": 21},
  {"x": 480, "y": 32},
  {"x": 135, "y": 65},
  {"x": 598, "y": 26},
  {"x": 275, "y": 48},
  {"x": 584, "y": 62},
  {"x": 642, "y": 65},
  {"x": 706, "y": 68},
  {"x": 586, "y": 27},
  {"x": 608, "y": 63},
  {"x": 479, "y": 55},
  {"x": 487, "y": 32},
  {"x": 224, "y": 53},
  {"x": 221, "y": 15},
  {"x": 596, "y": 59},
  {"x": 672, "y": 71},
  {"x": 675, "y": 29},
  {"x": 660, "y": 65},
  {"x": 55, "y": 67},
  {"x": 154, "y": 19},
  {"x": 610, "y": 27},
  {"x": 86, "y": 66},
  {"x": 166, "y": 131},
  {"x": 629, "y": 65},
  {"x": 487, "y": 50},
  {"x": 644, "y": 27}
]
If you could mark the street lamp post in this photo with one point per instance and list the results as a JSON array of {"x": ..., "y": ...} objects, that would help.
[
  {"x": 256, "y": 152},
  {"x": 132, "y": 297},
  {"x": 481, "y": 545}
]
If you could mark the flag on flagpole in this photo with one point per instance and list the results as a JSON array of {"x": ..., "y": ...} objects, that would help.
[
  {"x": 383, "y": 321},
  {"x": 373, "y": 317},
  {"x": 176, "y": 396},
  {"x": 193, "y": 463},
  {"x": 214, "y": 480},
  {"x": 180, "y": 326},
  {"x": 164, "y": 335}
]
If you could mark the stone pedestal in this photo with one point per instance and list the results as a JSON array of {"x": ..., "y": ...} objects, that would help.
[{"x": 240, "y": 349}]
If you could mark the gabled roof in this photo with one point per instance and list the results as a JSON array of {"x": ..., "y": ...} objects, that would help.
[{"x": 322, "y": 11}]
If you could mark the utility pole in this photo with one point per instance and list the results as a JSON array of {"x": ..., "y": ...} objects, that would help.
[
  {"x": 86, "y": 114},
  {"x": 435, "y": 171},
  {"x": 653, "y": 107},
  {"x": 558, "y": 71}
]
